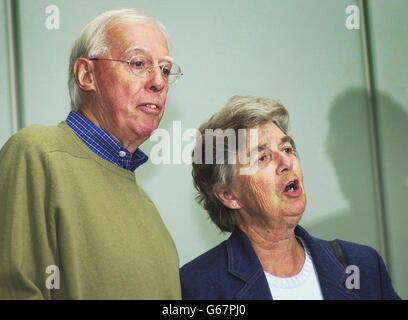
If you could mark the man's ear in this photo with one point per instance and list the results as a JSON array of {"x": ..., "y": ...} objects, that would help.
[
  {"x": 226, "y": 197},
  {"x": 84, "y": 75}
]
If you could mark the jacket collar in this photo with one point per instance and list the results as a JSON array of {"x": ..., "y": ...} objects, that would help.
[
  {"x": 244, "y": 264},
  {"x": 331, "y": 273}
]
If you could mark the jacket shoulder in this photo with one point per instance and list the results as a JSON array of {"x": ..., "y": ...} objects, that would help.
[
  {"x": 365, "y": 264},
  {"x": 204, "y": 277},
  {"x": 358, "y": 253},
  {"x": 365, "y": 267},
  {"x": 206, "y": 263},
  {"x": 353, "y": 252}
]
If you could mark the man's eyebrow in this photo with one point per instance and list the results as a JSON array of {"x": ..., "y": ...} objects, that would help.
[
  {"x": 169, "y": 59},
  {"x": 137, "y": 48},
  {"x": 147, "y": 51}
]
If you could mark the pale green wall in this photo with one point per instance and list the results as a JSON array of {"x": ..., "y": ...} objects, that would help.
[
  {"x": 5, "y": 108},
  {"x": 390, "y": 52},
  {"x": 299, "y": 52}
]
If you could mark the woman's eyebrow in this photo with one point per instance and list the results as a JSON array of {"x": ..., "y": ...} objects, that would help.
[
  {"x": 258, "y": 148},
  {"x": 264, "y": 146},
  {"x": 286, "y": 139}
]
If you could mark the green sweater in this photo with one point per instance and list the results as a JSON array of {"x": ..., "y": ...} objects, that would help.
[{"x": 62, "y": 205}]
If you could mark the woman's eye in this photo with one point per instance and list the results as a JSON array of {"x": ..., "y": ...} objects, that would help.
[
  {"x": 263, "y": 158},
  {"x": 288, "y": 150}
]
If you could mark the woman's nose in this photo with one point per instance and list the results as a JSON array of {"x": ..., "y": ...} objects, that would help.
[{"x": 284, "y": 163}]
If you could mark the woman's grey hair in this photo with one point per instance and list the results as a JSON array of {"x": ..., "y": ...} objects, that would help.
[
  {"x": 239, "y": 113},
  {"x": 92, "y": 42}
]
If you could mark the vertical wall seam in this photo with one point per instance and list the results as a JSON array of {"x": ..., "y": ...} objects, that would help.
[
  {"x": 374, "y": 131},
  {"x": 13, "y": 65}
]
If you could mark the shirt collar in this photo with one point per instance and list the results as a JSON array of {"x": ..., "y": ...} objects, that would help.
[{"x": 103, "y": 144}]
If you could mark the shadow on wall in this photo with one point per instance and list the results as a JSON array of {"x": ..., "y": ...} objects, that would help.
[{"x": 348, "y": 147}]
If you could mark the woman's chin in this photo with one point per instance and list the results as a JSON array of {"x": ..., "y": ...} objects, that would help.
[{"x": 296, "y": 211}]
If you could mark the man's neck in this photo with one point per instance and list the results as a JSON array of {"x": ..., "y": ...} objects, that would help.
[{"x": 132, "y": 146}]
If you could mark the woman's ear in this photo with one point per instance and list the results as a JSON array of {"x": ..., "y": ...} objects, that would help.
[
  {"x": 84, "y": 75},
  {"x": 226, "y": 197}
]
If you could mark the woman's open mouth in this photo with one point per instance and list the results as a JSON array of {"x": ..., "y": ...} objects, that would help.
[{"x": 293, "y": 188}]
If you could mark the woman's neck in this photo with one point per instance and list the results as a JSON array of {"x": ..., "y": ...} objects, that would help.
[{"x": 278, "y": 250}]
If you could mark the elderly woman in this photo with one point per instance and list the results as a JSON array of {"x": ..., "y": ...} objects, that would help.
[{"x": 258, "y": 195}]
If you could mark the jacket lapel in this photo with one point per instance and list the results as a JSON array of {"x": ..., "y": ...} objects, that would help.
[
  {"x": 244, "y": 264},
  {"x": 331, "y": 273}
]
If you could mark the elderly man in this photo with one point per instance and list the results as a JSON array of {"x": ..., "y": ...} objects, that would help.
[{"x": 74, "y": 224}]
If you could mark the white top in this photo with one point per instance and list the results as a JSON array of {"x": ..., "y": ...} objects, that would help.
[{"x": 303, "y": 286}]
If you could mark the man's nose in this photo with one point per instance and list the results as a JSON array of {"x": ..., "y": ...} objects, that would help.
[
  {"x": 155, "y": 82},
  {"x": 284, "y": 163}
]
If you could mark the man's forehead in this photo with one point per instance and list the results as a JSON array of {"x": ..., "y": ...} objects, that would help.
[
  {"x": 127, "y": 35},
  {"x": 144, "y": 51}
]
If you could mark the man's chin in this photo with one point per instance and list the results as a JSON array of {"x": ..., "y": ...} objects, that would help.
[{"x": 146, "y": 132}]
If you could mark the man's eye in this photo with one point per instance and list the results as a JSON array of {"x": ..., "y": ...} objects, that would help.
[
  {"x": 138, "y": 63},
  {"x": 166, "y": 69}
]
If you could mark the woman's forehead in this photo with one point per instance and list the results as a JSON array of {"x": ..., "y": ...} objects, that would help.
[{"x": 267, "y": 134}]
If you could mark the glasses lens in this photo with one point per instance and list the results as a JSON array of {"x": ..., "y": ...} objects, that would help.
[
  {"x": 139, "y": 65},
  {"x": 173, "y": 74},
  {"x": 142, "y": 66}
]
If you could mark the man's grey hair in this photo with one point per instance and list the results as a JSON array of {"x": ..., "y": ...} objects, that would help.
[
  {"x": 239, "y": 113},
  {"x": 92, "y": 42}
]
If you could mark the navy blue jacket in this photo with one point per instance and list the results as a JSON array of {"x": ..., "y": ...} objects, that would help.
[{"x": 232, "y": 271}]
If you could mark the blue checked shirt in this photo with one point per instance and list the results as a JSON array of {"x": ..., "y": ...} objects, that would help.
[{"x": 103, "y": 144}]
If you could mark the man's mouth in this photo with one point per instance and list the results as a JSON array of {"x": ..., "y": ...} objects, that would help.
[{"x": 150, "y": 107}]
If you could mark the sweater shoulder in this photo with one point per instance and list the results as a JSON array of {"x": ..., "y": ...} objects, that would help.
[
  {"x": 41, "y": 139},
  {"x": 48, "y": 138}
]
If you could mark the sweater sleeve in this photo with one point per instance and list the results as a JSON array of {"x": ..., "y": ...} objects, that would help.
[{"x": 27, "y": 245}]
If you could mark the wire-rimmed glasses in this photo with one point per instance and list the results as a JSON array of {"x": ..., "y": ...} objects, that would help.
[{"x": 141, "y": 66}]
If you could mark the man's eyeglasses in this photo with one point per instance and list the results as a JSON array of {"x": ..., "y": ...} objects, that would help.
[{"x": 141, "y": 66}]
